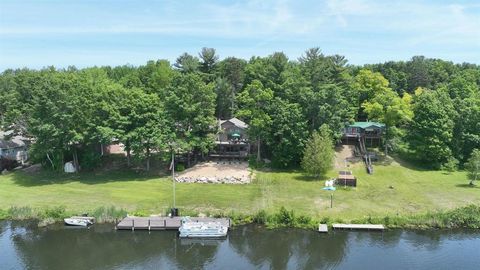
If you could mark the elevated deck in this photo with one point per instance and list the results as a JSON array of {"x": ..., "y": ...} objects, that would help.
[
  {"x": 162, "y": 223},
  {"x": 374, "y": 227}
]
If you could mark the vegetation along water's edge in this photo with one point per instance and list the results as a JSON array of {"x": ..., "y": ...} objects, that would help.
[{"x": 464, "y": 217}]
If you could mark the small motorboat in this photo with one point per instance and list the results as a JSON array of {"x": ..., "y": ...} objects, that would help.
[
  {"x": 191, "y": 229},
  {"x": 75, "y": 221}
]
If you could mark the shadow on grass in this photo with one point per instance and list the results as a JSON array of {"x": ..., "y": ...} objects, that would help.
[
  {"x": 91, "y": 178},
  {"x": 467, "y": 186},
  {"x": 409, "y": 164},
  {"x": 308, "y": 178}
]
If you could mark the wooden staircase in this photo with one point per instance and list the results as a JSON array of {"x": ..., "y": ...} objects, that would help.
[{"x": 366, "y": 157}]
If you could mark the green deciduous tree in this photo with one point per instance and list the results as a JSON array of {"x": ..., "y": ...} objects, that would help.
[
  {"x": 431, "y": 130},
  {"x": 190, "y": 106},
  {"x": 288, "y": 134},
  {"x": 255, "y": 103}
]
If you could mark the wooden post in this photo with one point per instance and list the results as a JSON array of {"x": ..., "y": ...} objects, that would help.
[
  {"x": 331, "y": 200},
  {"x": 133, "y": 225},
  {"x": 149, "y": 225}
]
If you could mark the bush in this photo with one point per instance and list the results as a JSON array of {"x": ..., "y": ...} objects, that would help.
[
  {"x": 305, "y": 221},
  {"x": 450, "y": 166},
  {"x": 141, "y": 213},
  {"x": 89, "y": 159},
  {"x": 285, "y": 217},
  {"x": 57, "y": 212},
  {"x": 21, "y": 213},
  {"x": 8, "y": 164},
  {"x": 108, "y": 214},
  {"x": 325, "y": 220},
  {"x": 261, "y": 217},
  {"x": 180, "y": 167},
  {"x": 4, "y": 214}
]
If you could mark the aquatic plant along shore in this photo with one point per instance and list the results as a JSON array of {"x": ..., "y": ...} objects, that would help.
[{"x": 464, "y": 217}]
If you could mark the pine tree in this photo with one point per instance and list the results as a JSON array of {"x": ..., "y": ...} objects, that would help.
[{"x": 318, "y": 153}]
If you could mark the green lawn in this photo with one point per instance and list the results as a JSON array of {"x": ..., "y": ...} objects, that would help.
[{"x": 414, "y": 191}]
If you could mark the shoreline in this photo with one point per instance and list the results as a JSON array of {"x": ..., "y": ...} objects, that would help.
[{"x": 467, "y": 217}]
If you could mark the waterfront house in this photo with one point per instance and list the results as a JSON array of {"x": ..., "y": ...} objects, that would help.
[
  {"x": 13, "y": 146},
  {"x": 370, "y": 132},
  {"x": 232, "y": 139}
]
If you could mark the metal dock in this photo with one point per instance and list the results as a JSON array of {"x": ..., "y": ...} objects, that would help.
[
  {"x": 373, "y": 227},
  {"x": 323, "y": 228},
  {"x": 162, "y": 223}
]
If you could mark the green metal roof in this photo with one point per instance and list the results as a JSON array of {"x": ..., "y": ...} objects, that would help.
[{"x": 364, "y": 125}]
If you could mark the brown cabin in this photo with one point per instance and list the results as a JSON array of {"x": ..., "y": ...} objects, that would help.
[{"x": 232, "y": 139}]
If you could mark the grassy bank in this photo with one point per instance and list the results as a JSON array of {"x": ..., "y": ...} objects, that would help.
[{"x": 396, "y": 194}]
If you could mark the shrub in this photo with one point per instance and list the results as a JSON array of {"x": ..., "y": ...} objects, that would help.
[
  {"x": 261, "y": 217},
  {"x": 20, "y": 213},
  {"x": 140, "y": 213},
  {"x": 180, "y": 167},
  {"x": 90, "y": 159},
  {"x": 8, "y": 164},
  {"x": 325, "y": 220},
  {"x": 304, "y": 221},
  {"x": 57, "y": 212},
  {"x": 285, "y": 217},
  {"x": 108, "y": 214},
  {"x": 451, "y": 165},
  {"x": 4, "y": 214}
]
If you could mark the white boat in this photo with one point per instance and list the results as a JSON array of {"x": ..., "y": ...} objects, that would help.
[
  {"x": 191, "y": 229},
  {"x": 78, "y": 222}
]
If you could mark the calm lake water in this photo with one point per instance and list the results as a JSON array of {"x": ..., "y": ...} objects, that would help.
[{"x": 24, "y": 246}]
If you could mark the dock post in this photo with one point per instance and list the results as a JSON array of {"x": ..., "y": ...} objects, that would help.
[
  {"x": 148, "y": 224},
  {"x": 133, "y": 225}
]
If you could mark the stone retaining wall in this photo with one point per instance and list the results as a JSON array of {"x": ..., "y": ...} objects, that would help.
[{"x": 214, "y": 180}]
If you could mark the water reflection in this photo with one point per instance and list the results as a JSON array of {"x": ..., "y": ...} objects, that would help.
[
  {"x": 101, "y": 248},
  {"x": 281, "y": 249},
  {"x": 23, "y": 245}
]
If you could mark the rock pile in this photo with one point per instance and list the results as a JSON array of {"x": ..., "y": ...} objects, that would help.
[{"x": 214, "y": 180}]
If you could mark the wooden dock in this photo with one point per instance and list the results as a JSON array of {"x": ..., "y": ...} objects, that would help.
[
  {"x": 373, "y": 227},
  {"x": 162, "y": 223},
  {"x": 323, "y": 228}
]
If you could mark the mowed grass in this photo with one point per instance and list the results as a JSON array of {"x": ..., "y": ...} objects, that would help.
[{"x": 392, "y": 189}]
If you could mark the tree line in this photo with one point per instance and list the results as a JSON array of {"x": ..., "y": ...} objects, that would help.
[{"x": 431, "y": 107}]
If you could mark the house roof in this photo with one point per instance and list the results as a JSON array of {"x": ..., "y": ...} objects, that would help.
[
  {"x": 237, "y": 122},
  {"x": 364, "y": 125},
  {"x": 8, "y": 141}
]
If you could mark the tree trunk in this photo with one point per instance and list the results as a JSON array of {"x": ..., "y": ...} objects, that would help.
[
  {"x": 51, "y": 161},
  {"x": 148, "y": 158},
  {"x": 75, "y": 159},
  {"x": 127, "y": 148},
  {"x": 258, "y": 150},
  {"x": 386, "y": 141}
]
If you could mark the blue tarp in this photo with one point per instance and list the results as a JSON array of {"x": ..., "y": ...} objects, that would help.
[{"x": 329, "y": 188}]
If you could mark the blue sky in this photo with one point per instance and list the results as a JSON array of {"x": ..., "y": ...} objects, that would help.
[{"x": 84, "y": 33}]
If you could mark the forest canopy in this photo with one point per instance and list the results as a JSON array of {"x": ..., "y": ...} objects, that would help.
[{"x": 431, "y": 107}]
